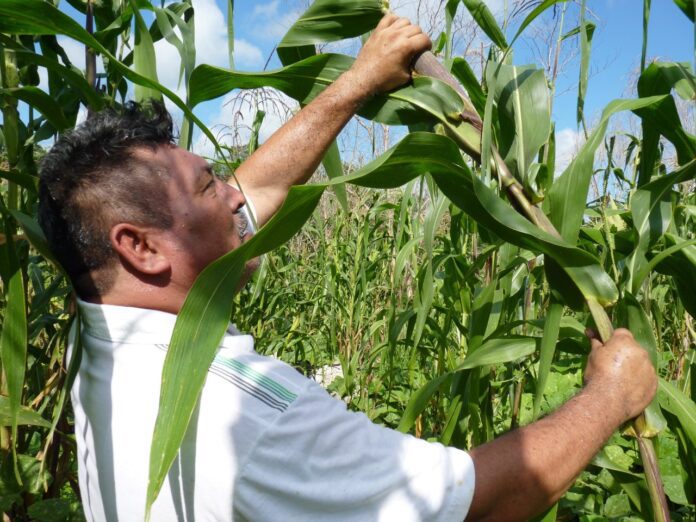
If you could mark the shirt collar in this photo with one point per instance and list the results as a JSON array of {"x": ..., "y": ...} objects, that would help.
[{"x": 130, "y": 324}]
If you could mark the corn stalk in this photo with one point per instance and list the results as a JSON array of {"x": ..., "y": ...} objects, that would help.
[{"x": 428, "y": 65}]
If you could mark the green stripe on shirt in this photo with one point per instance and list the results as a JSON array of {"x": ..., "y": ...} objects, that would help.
[{"x": 256, "y": 377}]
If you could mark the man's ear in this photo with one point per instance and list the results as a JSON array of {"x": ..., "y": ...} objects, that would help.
[{"x": 140, "y": 247}]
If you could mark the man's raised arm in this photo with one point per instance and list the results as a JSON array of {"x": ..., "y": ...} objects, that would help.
[{"x": 292, "y": 154}]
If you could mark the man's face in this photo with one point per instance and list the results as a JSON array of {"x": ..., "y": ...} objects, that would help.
[{"x": 206, "y": 212}]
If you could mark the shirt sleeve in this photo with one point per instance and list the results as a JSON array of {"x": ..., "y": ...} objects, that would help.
[{"x": 318, "y": 461}]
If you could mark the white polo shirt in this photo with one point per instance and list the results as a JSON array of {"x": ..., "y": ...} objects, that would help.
[{"x": 265, "y": 443}]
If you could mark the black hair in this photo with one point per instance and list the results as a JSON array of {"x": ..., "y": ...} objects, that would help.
[{"x": 90, "y": 180}]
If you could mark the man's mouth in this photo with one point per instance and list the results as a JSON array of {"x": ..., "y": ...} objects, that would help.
[{"x": 243, "y": 224}]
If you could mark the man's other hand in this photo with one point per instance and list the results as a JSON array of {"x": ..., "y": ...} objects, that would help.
[
  {"x": 621, "y": 371},
  {"x": 384, "y": 62}
]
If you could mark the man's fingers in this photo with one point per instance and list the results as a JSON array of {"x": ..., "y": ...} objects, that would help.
[
  {"x": 410, "y": 30},
  {"x": 401, "y": 23},
  {"x": 594, "y": 338},
  {"x": 420, "y": 43},
  {"x": 387, "y": 20},
  {"x": 596, "y": 343}
]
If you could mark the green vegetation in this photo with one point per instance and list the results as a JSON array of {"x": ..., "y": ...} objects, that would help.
[{"x": 455, "y": 299}]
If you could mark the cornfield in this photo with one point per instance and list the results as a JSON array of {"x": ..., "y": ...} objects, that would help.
[{"x": 445, "y": 285}]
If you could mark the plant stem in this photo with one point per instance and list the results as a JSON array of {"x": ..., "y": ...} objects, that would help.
[{"x": 653, "y": 478}]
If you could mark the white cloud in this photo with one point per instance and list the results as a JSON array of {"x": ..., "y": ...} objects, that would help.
[
  {"x": 268, "y": 10},
  {"x": 568, "y": 143},
  {"x": 211, "y": 46},
  {"x": 247, "y": 54}
]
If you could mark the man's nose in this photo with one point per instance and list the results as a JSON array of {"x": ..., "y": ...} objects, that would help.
[{"x": 236, "y": 197}]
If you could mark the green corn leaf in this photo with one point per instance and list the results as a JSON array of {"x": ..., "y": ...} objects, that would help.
[
  {"x": 36, "y": 237},
  {"x": 538, "y": 10},
  {"x": 438, "y": 155},
  {"x": 681, "y": 265},
  {"x": 230, "y": 32},
  {"x": 419, "y": 400},
  {"x": 22, "y": 179},
  {"x": 70, "y": 76},
  {"x": 305, "y": 79},
  {"x": 144, "y": 59},
  {"x": 13, "y": 338},
  {"x": 687, "y": 7},
  {"x": 568, "y": 194},
  {"x": 547, "y": 350},
  {"x": 589, "y": 27},
  {"x": 663, "y": 118},
  {"x": 42, "y": 102},
  {"x": 24, "y": 417},
  {"x": 486, "y": 21},
  {"x": 334, "y": 169},
  {"x": 202, "y": 322},
  {"x": 586, "y": 33},
  {"x": 42, "y": 18},
  {"x": 423, "y": 300},
  {"x": 651, "y": 209},
  {"x": 500, "y": 350},
  {"x": 480, "y": 316},
  {"x": 677, "y": 403},
  {"x": 255, "y": 130},
  {"x": 332, "y": 20},
  {"x": 646, "y": 20},
  {"x": 524, "y": 115},
  {"x": 463, "y": 72}
]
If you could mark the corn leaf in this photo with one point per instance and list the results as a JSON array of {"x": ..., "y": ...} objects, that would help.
[
  {"x": 524, "y": 115},
  {"x": 13, "y": 338},
  {"x": 202, "y": 322},
  {"x": 144, "y": 59},
  {"x": 568, "y": 195},
  {"x": 681, "y": 265},
  {"x": 676, "y": 402},
  {"x": 552, "y": 327},
  {"x": 24, "y": 416},
  {"x": 687, "y": 7},
  {"x": 463, "y": 72},
  {"x": 486, "y": 21},
  {"x": 76, "y": 80},
  {"x": 230, "y": 32},
  {"x": 500, "y": 350},
  {"x": 586, "y": 32},
  {"x": 332, "y": 20},
  {"x": 42, "y": 102},
  {"x": 42, "y": 18},
  {"x": 651, "y": 209},
  {"x": 205, "y": 314}
]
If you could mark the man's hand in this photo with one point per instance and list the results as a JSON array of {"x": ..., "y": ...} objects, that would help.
[
  {"x": 521, "y": 473},
  {"x": 293, "y": 153},
  {"x": 621, "y": 370},
  {"x": 384, "y": 62}
]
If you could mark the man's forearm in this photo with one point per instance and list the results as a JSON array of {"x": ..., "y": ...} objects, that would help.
[{"x": 293, "y": 153}]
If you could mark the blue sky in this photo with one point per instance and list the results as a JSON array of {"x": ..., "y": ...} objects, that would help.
[{"x": 259, "y": 25}]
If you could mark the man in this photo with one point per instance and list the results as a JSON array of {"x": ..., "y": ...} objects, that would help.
[{"x": 134, "y": 219}]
